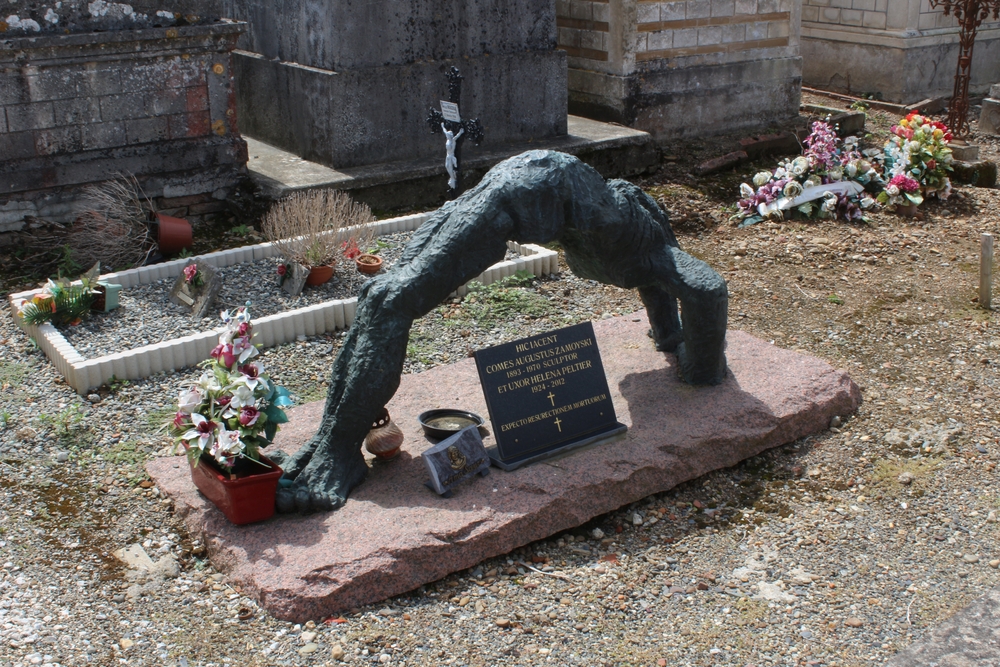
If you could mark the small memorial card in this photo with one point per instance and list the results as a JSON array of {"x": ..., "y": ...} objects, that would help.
[
  {"x": 196, "y": 288},
  {"x": 449, "y": 111},
  {"x": 455, "y": 459},
  {"x": 546, "y": 394}
]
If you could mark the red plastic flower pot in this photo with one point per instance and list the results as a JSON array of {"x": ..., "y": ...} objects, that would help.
[
  {"x": 319, "y": 275},
  {"x": 173, "y": 234},
  {"x": 246, "y": 499}
]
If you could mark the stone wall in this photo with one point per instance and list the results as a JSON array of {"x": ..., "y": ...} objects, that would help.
[
  {"x": 683, "y": 67},
  {"x": 349, "y": 84},
  {"x": 77, "y": 108},
  {"x": 901, "y": 50}
]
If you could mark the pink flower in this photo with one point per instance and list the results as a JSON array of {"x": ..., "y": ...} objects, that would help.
[
  {"x": 179, "y": 419},
  {"x": 224, "y": 355},
  {"x": 282, "y": 269},
  {"x": 223, "y": 401},
  {"x": 249, "y": 415},
  {"x": 905, "y": 183},
  {"x": 190, "y": 271},
  {"x": 244, "y": 329}
]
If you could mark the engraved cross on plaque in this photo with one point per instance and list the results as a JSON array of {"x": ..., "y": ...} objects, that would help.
[{"x": 448, "y": 121}]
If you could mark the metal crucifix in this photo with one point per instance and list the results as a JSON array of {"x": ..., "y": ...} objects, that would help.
[
  {"x": 449, "y": 122},
  {"x": 970, "y": 15}
]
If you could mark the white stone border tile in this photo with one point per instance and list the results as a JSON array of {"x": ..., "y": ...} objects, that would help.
[{"x": 83, "y": 374}]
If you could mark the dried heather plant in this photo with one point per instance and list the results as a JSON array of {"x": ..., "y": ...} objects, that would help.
[
  {"x": 114, "y": 227},
  {"x": 313, "y": 227}
]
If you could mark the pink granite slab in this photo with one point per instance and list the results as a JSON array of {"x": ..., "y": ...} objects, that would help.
[{"x": 394, "y": 534}]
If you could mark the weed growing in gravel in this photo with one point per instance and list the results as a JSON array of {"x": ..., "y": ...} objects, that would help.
[
  {"x": 5, "y": 419},
  {"x": 157, "y": 419},
  {"x": 67, "y": 424},
  {"x": 504, "y": 300},
  {"x": 126, "y": 453},
  {"x": 892, "y": 476},
  {"x": 835, "y": 299},
  {"x": 11, "y": 374}
]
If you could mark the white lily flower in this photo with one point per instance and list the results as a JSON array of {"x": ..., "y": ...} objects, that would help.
[
  {"x": 227, "y": 446},
  {"x": 242, "y": 395},
  {"x": 250, "y": 374},
  {"x": 203, "y": 433},
  {"x": 244, "y": 348},
  {"x": 209, "y": 383}
]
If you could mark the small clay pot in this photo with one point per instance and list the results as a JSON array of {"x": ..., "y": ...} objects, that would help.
[
  {"x": 319, "y": 275},
  {"x": 368, "y": 264},
  {"x": 173, "y": 234},
  {"x": 909, "y": 211},
  {"x": 385, "y": 438}
]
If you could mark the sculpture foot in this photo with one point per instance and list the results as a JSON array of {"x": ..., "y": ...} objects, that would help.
[
  {"x": 667, "y": 343},
  {"x": 698, "y": 373},
  {"x": 321, "y": 486}
]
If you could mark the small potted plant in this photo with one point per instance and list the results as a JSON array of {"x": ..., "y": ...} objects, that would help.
[
  {"x": 312, "y": 228},
  {"x": 226, "y": 418}
]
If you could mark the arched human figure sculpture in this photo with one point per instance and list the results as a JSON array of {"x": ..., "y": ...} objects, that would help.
[{"x": 611, "y": 232}]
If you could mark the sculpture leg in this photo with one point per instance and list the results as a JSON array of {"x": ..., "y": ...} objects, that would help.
[
  {"x": 367, "y": 371},
  {"x": 704, "y": 310},
  {"x": 661, "y": 309}
]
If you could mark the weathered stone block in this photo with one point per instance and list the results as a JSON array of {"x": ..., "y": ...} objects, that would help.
[
  {"x": 37, "y": 115},
  {"x": 340, "y": 35},
  {"x": 981, "y": 173},
  {"x": 989, "y": 117}
]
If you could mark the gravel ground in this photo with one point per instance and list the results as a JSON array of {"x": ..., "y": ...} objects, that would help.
[{"x": 837, "y": 550}]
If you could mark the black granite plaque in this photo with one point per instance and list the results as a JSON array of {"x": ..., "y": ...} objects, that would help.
[
  {"x": 546, "y": 394},
  {"x": 455, "y": 459}
]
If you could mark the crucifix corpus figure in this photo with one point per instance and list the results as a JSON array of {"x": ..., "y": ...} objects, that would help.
[
  {"x": 970, "y": 15},
  {"x": 449, "y": 122},
  {"x": 611, "y": 232},
  {"x": 450, "y": 161}
]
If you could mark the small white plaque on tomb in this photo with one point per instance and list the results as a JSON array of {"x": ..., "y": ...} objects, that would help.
[{"x": 450, "y": 111}]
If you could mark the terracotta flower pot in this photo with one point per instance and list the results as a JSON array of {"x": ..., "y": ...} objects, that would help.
[
  {"x": 319, "y": 275},
  {"x": 908, "y": 211},
  {"x": 246, "y": 499},
  {"x": 368, "y": 264},
  {"x": 173, "y": 234}
]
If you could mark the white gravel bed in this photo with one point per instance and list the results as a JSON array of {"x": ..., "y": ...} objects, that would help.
[{"x": 146, "y": 315}]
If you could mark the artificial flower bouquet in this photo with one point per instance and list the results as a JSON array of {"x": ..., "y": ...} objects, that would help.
[
  {"x": 193, "y": 277},
  {"x": 917, "y": 152},
  {"x": 234, "y": 409},
  {"x": 61, "y": 301},
  {"x": 827, "y": 181}
]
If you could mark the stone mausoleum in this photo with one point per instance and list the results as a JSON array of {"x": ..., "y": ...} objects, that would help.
[
  {"x": 348, "y": 83},
  {"x": 680, "y": 68},
  {"x": 903, "y": 50}
]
